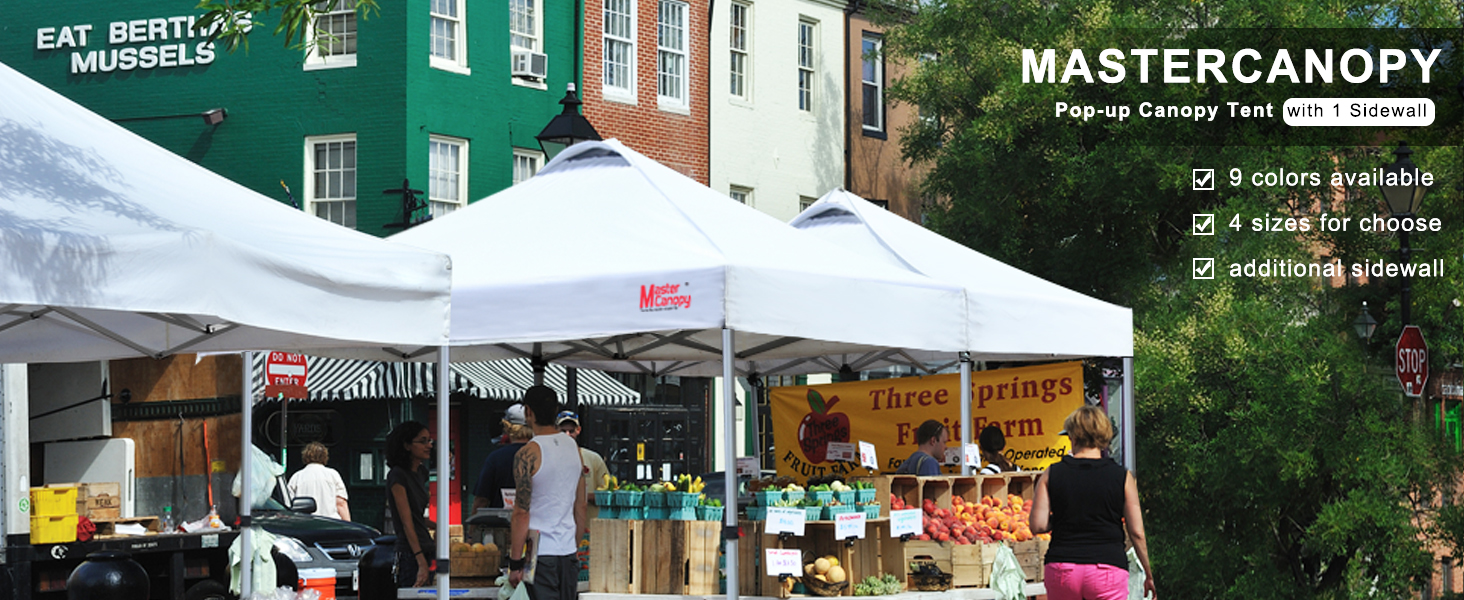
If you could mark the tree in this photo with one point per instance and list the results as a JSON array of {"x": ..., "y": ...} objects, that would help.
[
  {"x": 233, "y": 20},
  {"x": 1274, "y": 459}
]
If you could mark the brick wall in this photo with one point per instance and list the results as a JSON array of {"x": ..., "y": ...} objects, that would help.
[{"x": 679, "y": 141}]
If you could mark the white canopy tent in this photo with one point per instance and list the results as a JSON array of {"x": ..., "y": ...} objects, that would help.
[
  {"x": 610, "y": 258},
  {"x": 113, "y": 247},
  {"x": 1011, "y": 315}
]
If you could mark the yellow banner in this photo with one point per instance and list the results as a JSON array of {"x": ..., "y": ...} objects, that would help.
[{"x": 1029, "y": 403}]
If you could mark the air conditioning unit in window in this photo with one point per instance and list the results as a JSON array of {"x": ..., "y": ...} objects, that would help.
[{"x": 531, "y": 65}]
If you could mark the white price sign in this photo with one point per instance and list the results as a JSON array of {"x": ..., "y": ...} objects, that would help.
[
  {"x": 747, "y": 466},
  {"x": 905, "y": 521},
  {"x": 843, "y": 451},
  {"x": 952, "y": 456},
  {"x": 783, "y": 519},
  {"x": 849, "y": 525},
  {"x": 866, "y": 456},
  {"x": 784, "y": 562},
  {"x": 973, "y": 454}
]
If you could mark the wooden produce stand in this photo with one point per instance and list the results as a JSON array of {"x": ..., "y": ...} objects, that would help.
[{"x": 655, "y": 557}]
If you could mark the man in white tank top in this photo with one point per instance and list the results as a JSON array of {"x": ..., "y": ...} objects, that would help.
[{"x": 550, "y": 499}]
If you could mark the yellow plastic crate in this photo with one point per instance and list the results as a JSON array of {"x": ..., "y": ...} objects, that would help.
[
  {"x": 53, "y": 530},
  {"x": 53, "y": 501}
]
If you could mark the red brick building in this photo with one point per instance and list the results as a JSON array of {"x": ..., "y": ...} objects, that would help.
[{"x": 645, "y": 80}]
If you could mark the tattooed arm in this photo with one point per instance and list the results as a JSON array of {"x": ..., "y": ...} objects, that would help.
[{"x": 525, "y": 464}]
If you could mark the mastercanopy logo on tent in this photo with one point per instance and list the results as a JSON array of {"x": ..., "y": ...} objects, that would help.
[{"x": 666, "y": 296}]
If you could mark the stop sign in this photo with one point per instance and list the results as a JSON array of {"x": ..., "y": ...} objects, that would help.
[
  {"x": 284, "y": 374},
  {"x": 1411, "y": 361}
]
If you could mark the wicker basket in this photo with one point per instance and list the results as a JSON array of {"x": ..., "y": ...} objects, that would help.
[{"x": 824, "y": 588}]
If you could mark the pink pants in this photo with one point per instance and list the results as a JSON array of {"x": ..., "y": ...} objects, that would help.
[{"x": 1068, "y": 581}]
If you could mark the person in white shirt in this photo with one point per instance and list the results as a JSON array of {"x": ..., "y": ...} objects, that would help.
[
  {"x": 595, "y": 469},
  {"x": 321, "y": 483}
]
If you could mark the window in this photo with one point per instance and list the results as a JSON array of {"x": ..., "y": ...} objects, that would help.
[
  {"x": 741, "y": 194},
  {"x": 805, "y": 201},
  {"x": 332, "y": 41},
  {"x": 873, "y": 79},
  {"x": 525, "y": 164},
  {"x": 620, "y": 48},
  {"x": 671, "y": 50},
  {"x": 449, "y": 49},
  {"x": 523, "y": 24},
  {"x": 447, "y": 185},
  {"x": 330, "y": 184},
  {"x": 806, "y": 32},
  {"x": 737, "y": 41}
]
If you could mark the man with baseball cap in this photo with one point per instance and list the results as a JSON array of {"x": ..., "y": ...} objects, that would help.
[
  {"x": 595, "y": 470},
  {"x": 496, "y": 474}
]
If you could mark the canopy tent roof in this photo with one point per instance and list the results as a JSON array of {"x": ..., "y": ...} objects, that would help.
[
  {"x": 112, "y": 247},
  {"x": 335, "y": 379},
  {"x": 610, "y": 260},
  {"x": 1010, "y": 314}
]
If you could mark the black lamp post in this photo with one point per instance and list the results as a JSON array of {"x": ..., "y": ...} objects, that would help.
[
  {"x": 566, "y": 128},
  {"x": 1365, "y": 325},
  {"x": 1403, "y": 202}
]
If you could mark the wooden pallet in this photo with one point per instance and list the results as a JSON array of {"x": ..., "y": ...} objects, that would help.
[
  {"x": 107, "y": 528},
  {"x": 615, "y": 563},
  {"x": 681, "y": 557}
]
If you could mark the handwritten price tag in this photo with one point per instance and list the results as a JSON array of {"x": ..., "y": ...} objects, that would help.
[
  {"x": 905, "y": 521},
  {"x": 784, "y": 562},
  {"x": 840, "y": 451},
  {"x": 973, "y": 454},
  {"x": 866, "y": 456},
  {"x": 782, "y": 519},
  {"x": 849, "y": 525}
]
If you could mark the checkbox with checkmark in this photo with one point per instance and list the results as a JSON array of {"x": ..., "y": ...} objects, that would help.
[
  {"x": 1203, "y": 268},
  {"x": 1204, "y": 224},
  {"x": 1204, "y": 180}
]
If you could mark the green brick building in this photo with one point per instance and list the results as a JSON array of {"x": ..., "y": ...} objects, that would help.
[{"x": 447, "y": 94}]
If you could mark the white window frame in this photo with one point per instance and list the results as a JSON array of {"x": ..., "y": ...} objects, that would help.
[
  {"x": 438, "y": 203},
  {"x": 348, "y": 207},
  {"x": 458, "y": 62},
  {"x": 313, "y": 39},
  {"x": 739, "y": 79},
  {"x": 626, "y": 93},
  {"x": 877, "y": 83},
  {"x": 807, "y": 60},
  {"x": 673, "y": 63},
  {"x": 535, "y": 156},
  {"x": 745, "y": 193},
  {"x": 536, "y": 21}
]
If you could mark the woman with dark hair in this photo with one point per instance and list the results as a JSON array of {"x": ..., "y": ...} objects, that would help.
[
  {"x": 407, "y": 447},
  {"x": 1088, "y": 502},
  {"x": 993, "y": 441}
]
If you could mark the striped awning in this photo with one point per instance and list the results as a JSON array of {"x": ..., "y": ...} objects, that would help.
[
  {"x": 344, "y": 379},
  {"x": 507, "y": 380}
]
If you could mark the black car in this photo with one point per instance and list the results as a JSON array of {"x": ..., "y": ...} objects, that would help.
[{"x": 311, "y": 542}]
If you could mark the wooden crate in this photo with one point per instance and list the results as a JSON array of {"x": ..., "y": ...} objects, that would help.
[
  {"x": 971, "y": 564},
  {"x": 1022, "y": 484},
  {"x": 467, "y": 563},
  {"x": 936, "y": 488},
  {"x": 993, "y": 485},
  {"x": 1029, "y": 555},
  {"x": 896, "y": 556},
  {"x": 615, "y": 563},
  {"x": 680, "y": 558},
  {"x": 905, "y": 487},
  {"x": 967, "y": 488}
]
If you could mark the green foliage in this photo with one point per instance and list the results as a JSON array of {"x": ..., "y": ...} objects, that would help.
[
  {"x": 1277, "y": 458},
  {"x": 235, "y": 19}
]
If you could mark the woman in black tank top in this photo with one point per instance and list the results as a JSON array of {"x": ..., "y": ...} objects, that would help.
[{"x": 1087, "y": 502}]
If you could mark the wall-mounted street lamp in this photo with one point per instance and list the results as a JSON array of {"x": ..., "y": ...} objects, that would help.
[
  {"x": 567, "y": 128},
  {"x": 211, "y": 117},
  {"x": 1403, "y": 202}
]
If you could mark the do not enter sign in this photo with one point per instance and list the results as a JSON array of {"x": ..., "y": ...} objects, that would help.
[
  {"x": 284, "y": 374},
  {"x": 1411, "y": 361}
]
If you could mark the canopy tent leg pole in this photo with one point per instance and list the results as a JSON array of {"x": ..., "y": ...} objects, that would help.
[
  {"x": 965, "y": 410},
  {"x": 444, "y": 473},
  {"x": 1128, "y": 413},
  {"x": 246, "y": 491},
  {"x": 729, "y": 466}
]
